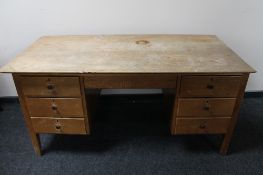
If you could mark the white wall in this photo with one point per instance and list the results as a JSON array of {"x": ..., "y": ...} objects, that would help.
[{"x": 238, "y": 22}]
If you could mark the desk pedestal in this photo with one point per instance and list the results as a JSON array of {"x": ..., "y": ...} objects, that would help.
[{"x": 201, "y": 103}]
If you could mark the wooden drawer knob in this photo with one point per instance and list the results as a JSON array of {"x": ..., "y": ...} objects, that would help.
[
  {"x": 206, "y": 107},
  {"x": 54, "y": 107},
  {"x": 203, "y": 126},
  {"x": 210, "y": 86},
  {"x": 50, "y": 86},
  {"x": 58, "y": 125}
]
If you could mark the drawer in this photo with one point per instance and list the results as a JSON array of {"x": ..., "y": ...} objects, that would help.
[
  {"x": 129, "y": 80},
  {"x": 59, "y": 126},
  {"x": 208, "y": 107},
  {"x": 202, "y": 125},
  {"x": 210, "y": 86},
  {"x": 54, "y": 107},
  {"x": 50, "y": 86}
]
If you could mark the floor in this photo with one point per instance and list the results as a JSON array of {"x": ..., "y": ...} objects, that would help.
[{"x": 131, "y": 136}]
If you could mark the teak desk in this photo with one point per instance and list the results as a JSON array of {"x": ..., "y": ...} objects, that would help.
[{"x": 206, "y": 77}]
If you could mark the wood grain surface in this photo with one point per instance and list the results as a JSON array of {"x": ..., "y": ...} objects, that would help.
[{"x": 128, "y": 54}]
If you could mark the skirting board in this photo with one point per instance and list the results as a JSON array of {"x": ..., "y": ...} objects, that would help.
[{"x": 253, "y": 94}]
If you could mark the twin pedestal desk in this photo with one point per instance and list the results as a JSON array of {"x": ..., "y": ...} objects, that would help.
[{"x": 205, "y": 77}]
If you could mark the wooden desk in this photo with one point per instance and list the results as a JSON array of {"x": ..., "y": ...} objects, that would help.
[{"x": 206, "y": 78}]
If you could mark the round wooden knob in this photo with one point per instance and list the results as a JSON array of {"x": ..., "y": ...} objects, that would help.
[
  {"x": 54, "y": 107},
  {"x": 57, "y": 125},
  {"x": 202, "y": 126},
  {"x": 206, "y": 108},
  {"x": 50, "y": 86},
  {"x": 210, "y": 86}
]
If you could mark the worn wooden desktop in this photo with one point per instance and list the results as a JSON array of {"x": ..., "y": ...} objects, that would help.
[{"x": 206, "y": 78}]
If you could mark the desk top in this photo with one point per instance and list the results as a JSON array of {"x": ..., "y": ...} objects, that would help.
[{"x": 128, "y": 54}]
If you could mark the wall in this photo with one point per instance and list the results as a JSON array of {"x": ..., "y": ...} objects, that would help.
[{"x": 238, "y": 22}]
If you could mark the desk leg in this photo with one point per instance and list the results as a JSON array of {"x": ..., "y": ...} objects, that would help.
[
  {"x": 171, "y": 97},
  {"x": 228, "y": 135},
  {"x": 170, "y": 106},
  {"x": 36, "y": 142},
  {"x": 34, "y": 136}
]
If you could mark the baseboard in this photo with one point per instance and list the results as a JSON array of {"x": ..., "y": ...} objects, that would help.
[
  {"x": 9, "y": 99},
  {"x": 249, "y": 94},
  {"x": 254, "y": 94}
]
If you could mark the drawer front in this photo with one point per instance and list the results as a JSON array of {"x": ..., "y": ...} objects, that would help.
[
  {"x": 130, "y": 80},
  {"x": 55, "y": 107},
  {"x": 208, "y": 107},
  {"x": 58, "y": 126},
  {"x": 51, "y": 86},
  {"x": 202, "y": 125},
  {"x": 210, "y": 86}
]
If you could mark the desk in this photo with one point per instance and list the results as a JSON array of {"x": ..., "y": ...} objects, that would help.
[{"x": 206, "y": 78}]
